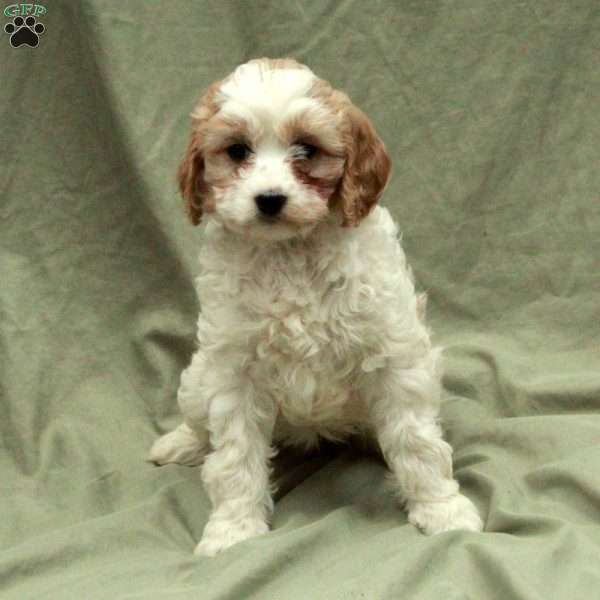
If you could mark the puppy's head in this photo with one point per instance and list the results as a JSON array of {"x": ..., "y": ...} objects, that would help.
[{"x": 274, "y": 150}]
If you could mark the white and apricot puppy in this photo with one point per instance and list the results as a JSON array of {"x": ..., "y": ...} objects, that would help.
[{"x": 310, "y": 324}]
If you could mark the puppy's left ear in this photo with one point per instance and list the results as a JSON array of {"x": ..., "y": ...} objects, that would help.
[
  {"x": 367, "y": 169},
  {"x": 191, "y": 179}
]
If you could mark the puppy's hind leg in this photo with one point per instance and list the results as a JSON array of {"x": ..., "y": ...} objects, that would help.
[
  {"x": 183, "y": 446},
  {"x": 188, "y": 443}
]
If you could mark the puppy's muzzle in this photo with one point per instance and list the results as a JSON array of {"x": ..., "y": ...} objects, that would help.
[{"x": 270, "y": 203}]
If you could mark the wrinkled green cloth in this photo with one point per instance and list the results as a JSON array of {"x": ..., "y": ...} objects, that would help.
[{"x": 491, "y": 112}]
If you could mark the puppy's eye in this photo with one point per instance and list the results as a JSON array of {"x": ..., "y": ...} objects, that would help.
[
  {"x": 238, "y": 152},
  {"x": 306, "y": 151}
]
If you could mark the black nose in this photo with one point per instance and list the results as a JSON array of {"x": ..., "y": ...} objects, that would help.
[{"x": 270, "y": 203}]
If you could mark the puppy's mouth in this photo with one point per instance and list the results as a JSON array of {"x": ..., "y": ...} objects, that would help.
[
  {"x": 275, "y": 228},
  {"x": 293, "y": 220},
  {"x": 271, "y": 220}
]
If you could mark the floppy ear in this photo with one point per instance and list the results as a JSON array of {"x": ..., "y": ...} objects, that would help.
[
  {"x": 367, "y": 169},
  {"x": 191, "y": 179}
]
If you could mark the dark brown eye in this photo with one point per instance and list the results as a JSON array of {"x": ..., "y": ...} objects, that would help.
[
  {"x": 238, "y": 152},
  {"x": 306, "y": 150}
]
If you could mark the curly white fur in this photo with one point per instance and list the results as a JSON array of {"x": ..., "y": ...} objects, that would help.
[{"x": 318, "y": 334}]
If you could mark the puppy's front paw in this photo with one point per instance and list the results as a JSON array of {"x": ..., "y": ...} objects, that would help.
[
  {"x": 456, "y": 512},
  {"x": 220, "y": 534},
  {"x": 181, "y": 446}
]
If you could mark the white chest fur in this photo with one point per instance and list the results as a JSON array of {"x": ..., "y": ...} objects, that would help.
[{"x": 307, "y": 319}]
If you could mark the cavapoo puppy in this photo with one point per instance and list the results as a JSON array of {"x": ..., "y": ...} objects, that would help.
[{"x": 310, "y": 325}]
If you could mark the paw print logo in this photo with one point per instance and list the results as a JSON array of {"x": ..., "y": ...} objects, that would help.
[{"x": 24, "y": 31}]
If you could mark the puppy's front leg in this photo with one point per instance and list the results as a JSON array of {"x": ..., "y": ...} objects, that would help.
[
  {"x": 404, "y": 411},
  {"x": 236, "y": 472}
]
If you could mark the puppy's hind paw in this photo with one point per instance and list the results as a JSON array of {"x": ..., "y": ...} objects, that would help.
[{"x": 181, "y": 446}]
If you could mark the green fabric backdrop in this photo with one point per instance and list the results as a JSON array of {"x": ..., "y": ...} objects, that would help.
[{"x": 491, "y": 111}]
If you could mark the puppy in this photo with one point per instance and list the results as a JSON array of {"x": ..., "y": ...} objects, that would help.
[{"x": 310, "y": 325}]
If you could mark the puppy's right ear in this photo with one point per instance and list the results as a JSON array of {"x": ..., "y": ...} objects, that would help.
[{"x": 191, "y": 179}]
